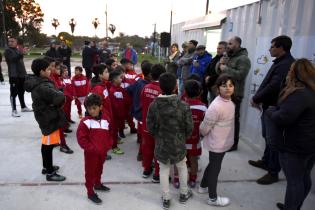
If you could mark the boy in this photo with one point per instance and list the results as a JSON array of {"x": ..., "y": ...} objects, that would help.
[
  {"x": 95, "y": 139},
  {"x": 193, "y": 90},
  {"x": 148, "y": 94},
  {"x": 81, "y": 86},
  {"x": 47, "y": 103},
  {"x": 169, "y": 121},
  {"x": 130, "y": 74},
  {"x": 67, "y": 91}
]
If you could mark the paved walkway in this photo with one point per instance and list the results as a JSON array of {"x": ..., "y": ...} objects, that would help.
[{"x": 23, "y": 187}]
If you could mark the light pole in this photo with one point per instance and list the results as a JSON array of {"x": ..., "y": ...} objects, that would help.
[
  {"x": 106, "y": 22},
  {"x": 4, "y": 35},
  {"x": 95, "y": 23},
  {"x": 154, "y": 39},
  {"x": 72, "y": 24},
  {"x": 55, "y": 23}
]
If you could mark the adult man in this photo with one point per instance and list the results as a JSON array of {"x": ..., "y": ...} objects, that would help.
[
  {"x": 16, "y": 69},
  {"x": 236, "y": 64},
  {"x": 65, "y": 54},
  {"x": 104, "y": 52},
  {"x": 200, "y": 62},
  {"x": 210, "y": 74},
  {"x": 53, "y": 51},
  {"x": 266, "y": 96},
  {"x": 130, "y": 54},
  {"x": 87, "y": 58}
]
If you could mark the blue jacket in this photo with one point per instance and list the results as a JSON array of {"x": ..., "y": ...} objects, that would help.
[
  {"x": 203, "y": 63},
  {"x": 134, "y": 57},
  {"x": 134, "y": 91}
]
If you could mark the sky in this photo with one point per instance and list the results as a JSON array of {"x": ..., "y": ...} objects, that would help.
[{"x": 132, "y": 17}]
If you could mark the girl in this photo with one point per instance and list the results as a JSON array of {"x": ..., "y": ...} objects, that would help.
[{"x": 218, "y": 131}]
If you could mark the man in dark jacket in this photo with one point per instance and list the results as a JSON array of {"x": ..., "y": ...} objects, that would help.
[
  {"x": 65, "y": 54},
  {"x": 210, "y": 74},
  {"x": 237, "y": 65},
  {"x": 104, "y": 52},
  {"x": 53, "y": 51},
  {"x": 16, "y": 69},
  {"x": 87, "y": 59},
  {"x": 267, "y": 95}
]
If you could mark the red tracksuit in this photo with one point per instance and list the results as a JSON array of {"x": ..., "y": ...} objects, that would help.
[
  {"x": 68, "y": 92},
  {"x": 148, "y": 94},
  {"x": 95, "y": 139},
  {"x": 81, "y": 87}
]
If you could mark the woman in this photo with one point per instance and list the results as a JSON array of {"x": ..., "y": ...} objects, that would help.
[
  {"x": 295, "y": 115},
  {"x": 171, "y": 65}
]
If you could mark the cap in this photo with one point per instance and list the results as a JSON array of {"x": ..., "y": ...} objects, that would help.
[{"x": 201, "y": 47}]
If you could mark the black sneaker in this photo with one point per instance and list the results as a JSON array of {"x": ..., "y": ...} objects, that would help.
[
  {"x": 44, "y": 170},
  {"x": 66, "y": 149},
  {"x": 71, "y": 121},
  {"x": 184, "y": 197},
  {"x": 102, "y": 188},
  {"x": 108, "y": 157},
  {"x": 268, "y": 179},
  {"x": 95, "y": 199},
  {"x": 146, "y": 174},
  {"x": 166, "y": 203},
  {"x": 156, "y": 179},
  {"x": 133, "y": 130},
  {"x": 258, "y": 164},
  {"x": 280, "y": 206},
  {"x": 54, "y": 177},
  {"x": 67, "y": 130}
]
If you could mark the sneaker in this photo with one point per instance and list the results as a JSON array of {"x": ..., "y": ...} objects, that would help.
[
  {"x": 183, "y": 198},
  {"x": 108, "y": 157},
  {"x": 133, "y": 130},
  {"x": 95, "y": 199},
  {"x": 67, "y": 130},
  {"x": 44, "y": 170},
  {"x": 258, "y": 164},
  {"x": 26, "y": 109},
  {"x": 156, "y": 179},
  {"x": 220, "y": 201},
  {"x": 267, "y": 179},
  {"x": 54, "y": 177},
  {"x": 15, "y": 114},
  {"x": 118, "y": 151},
  {"x": 280, "y": 206},
  {"x": 192, "y": 184},
  {"x": 139, "y": 157},
  {"x": 121, "y": 134},
  {"x": 102, "y": 188},
  {"x": 66, "y": 149},
  {"x": 202, "y": 190},
  {"x": 146, "y": 174},
  {"x": 166, "y": 203},
  {"x": 176, "y": 184},
  {"x": 120, "y": 141}
]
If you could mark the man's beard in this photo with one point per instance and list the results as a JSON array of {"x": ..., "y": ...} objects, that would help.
[{"x": 229, "y": 51}]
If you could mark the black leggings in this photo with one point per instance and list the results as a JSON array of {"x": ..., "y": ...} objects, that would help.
[
  {"x": 210, "y": 176},
  {"x": 47, "y": 155},
  {"x": 17, "y": 89}
]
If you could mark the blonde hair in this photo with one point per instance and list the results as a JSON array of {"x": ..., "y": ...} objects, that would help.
[{"x": 301, "y": 75}]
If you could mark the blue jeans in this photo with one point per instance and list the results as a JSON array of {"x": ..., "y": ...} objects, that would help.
[
  {"x": 297, "y": 170},
  {"x": 271, "y": 155}
]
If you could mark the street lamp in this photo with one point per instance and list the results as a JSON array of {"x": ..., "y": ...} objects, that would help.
[
  {"x": 95, "y": 23},
  {"x": 112, "y": 28},
  {"x": 55, "y": 23},
  {"x": 72, "y": 24}
]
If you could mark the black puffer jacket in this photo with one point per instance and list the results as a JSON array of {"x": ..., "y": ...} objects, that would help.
[{"x": 47, "y": 103}]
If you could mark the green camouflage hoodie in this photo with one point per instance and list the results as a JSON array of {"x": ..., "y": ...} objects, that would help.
[
  {"x": 238, "y": 66},
  {"x": 170, "y": 122}
]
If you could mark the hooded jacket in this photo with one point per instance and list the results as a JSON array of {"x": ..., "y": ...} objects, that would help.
[
  {"x": 203, "y": 62},
  {"x": 237, "y": 66},
  {"x": 47, "y": 103},
  {"x": 170, "y": 122}
]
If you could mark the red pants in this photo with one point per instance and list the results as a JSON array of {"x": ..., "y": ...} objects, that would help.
[
  {"x": 148, "y": 145},
  {"x": 93, "y": 170},
  {"x": 62, "y": 137},
  {"x": 78, "y": 103},
  {"x": 114, "y": 134},
  {"x": 67, "y": 107}
]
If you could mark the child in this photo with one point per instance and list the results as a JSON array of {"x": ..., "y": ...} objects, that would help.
[
  {"x": 67, "y": 91},
  {"x": 94, "y": 138},
  {"x": 47, "y": 103},
  {"x": 148, "y": 94},
  {"x": 218, "y": 131},
  {"x": 119, "y": 100},
  {"x": 169, "y": 120},
  {"x": 193, "y": 90},
  {"x": 134, "y": 92},
  {"x": 81, "y": 86}
]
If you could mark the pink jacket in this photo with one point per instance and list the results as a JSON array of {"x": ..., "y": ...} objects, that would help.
[{"x": 218, "y": 126}]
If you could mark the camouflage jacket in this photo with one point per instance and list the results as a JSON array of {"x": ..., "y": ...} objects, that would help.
[{"x": 169, "y": 120}]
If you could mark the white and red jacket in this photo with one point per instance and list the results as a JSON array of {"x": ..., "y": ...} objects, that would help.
[
  {"x": 148, "y": 94},
  {"x": 130, "y": 78},
  {"x": 101, "y": 89},
  {"x": 68, "y": 89},
  {"x": 81, "y": 85},
  {"x": 120, "y": 101},
  {"x": 198, "y": 109},
  {"x": 94, "y": 135}
]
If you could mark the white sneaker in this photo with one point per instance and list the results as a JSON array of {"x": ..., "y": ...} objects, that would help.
[
  {"x": 202, "y": 190},
  {"x": 15, "y": 114},
  {"x": 221, "y": 201},
  {"x": 26, "y": 109}
]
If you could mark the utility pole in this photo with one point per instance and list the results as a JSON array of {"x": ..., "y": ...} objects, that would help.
[
  {"x": 154, "y": 39},
  {"x": 4, "y": 32},
  {"x": 207, "y": 7},
  {"x": 106, "y": 23},
  {"x": 171, "y": 22}
]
